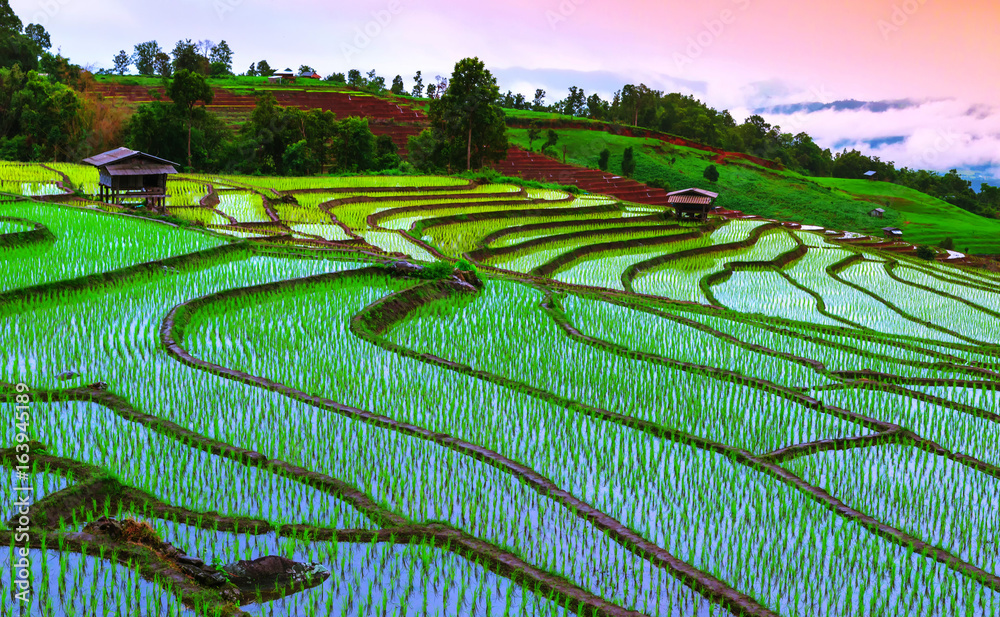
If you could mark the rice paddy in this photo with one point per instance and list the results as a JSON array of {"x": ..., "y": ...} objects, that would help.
[{"x": 602, "y": 411}]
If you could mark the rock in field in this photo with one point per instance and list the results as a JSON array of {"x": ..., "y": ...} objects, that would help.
[{"x": 270, "y": 578}]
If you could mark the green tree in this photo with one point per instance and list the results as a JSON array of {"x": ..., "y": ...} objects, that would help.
[
  {"x": 386, "y": 153},
  {"x": 160, "y": 129},
  {"x": 426, "y": 151},
  {"x": 122, "y": 62},
  {"x": 221, "y": 59},
  {"x": 628, "y": 162},
  {"x": 604, "y": 159},
  {"x": 264, "y": 69},
  {"x": 551, "y": 139},
  {"x": 711, "y": 173},
  {"x": 16, "y": 49},
  {"x": 575, "y": 103},
  {"x": 144, "y": 57},
  {"x": 538, "y": 103},
  {"x": 39, "y": 120},
  {"x": 418, "y": 85},
  {"x": 10, "y": 23},
  {"x": 354, "y": 146},
  {"x": 397, "y": 85},
  {"x": 305, "y": 69},
  {"x": 533, "y": 133},
  {"x": 187, "y": 58},
  {"x": 375, "y": 82},
  {"x": 467, "y": 113},
  {"x": 186, "y": 90},
  {"x": 162, "y": 65},
  {"x": 38, "y": 36}
]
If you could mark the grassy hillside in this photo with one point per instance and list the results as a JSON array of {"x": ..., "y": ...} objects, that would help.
[
  {"x": 922, "y": 216},
  {"x": 788, "y": 196}
]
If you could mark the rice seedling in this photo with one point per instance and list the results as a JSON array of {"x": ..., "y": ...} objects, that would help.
[
  {"x": 88, "y": 243},
  {"x": 667, "y": 418}
]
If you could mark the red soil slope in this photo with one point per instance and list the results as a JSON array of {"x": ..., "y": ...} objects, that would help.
[
  {"x": 385, "y": 117},
  {"x": 400, "y": 122}
]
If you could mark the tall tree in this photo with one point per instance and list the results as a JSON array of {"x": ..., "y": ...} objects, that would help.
[
  {"x": 187, "y": 58},
  {"x": 376, "y": 83},
  {"x": 38, "y": 36},
  {"x": 16, "y": 49},
  {"x": 144, "y": 57},
  {"x": 575, "y": 102},
  {"x": 162, "y": 65},
  {"x": 305, "y": 69},
  {"x": 264, "y": 69},
  {"x": 186, "y": 89},
  {"x": 10, "y": 23},
  {"x": 122, "y": 62},
  {"x": 597, "y": 108},
  {"x": 397, "y": 85},
  {"x": 533, "y": 134},
  {"x": 468, "y": 113},
  {"x": 222, "y": 56},
  {"x": 538, "y": 103},
  {"x": 418, "y": 85}
]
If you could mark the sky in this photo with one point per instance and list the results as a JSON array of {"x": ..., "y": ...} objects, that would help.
[{"x": 923, "y": 75}]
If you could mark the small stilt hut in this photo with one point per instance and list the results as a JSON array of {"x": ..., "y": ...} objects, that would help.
[
  {"x": 692, "y": 203},
  {"x": 128, "y": 174}
]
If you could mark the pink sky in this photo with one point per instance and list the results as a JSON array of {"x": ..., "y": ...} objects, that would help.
[{"x": 737, "y": 54}]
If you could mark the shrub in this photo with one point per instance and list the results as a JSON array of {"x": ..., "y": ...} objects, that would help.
[
  {"x": 926, "y": 252},
  {"x": 711, "y": 173},
  {"x": 628, "y": 162},
  {"x": 603, "y": 159},
  {"x": 947, "y": 244},
  {"x": 464, "y": 265},
  {"x": 435, "y": 271}
]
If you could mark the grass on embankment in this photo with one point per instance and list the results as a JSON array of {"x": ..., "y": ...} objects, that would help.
[
  {"x": 923, "y": 217},
  {"x": 785, "y": 196}
]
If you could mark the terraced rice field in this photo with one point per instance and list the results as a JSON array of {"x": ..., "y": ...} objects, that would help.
[{"x": 604, "y": 411}]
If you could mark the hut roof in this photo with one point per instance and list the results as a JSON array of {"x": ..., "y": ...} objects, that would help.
[
  {"x": 690, "y": 199},
  {"x": 895, "y": 231},
  {"x": 694, "y": 193},
  {"x": 125, "y": 162},
  {"x": 869, "y": 174},
  {"x": 879, "y": 210}
]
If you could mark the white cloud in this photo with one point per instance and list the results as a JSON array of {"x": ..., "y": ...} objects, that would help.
[{"x": 937, "y": 135}]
